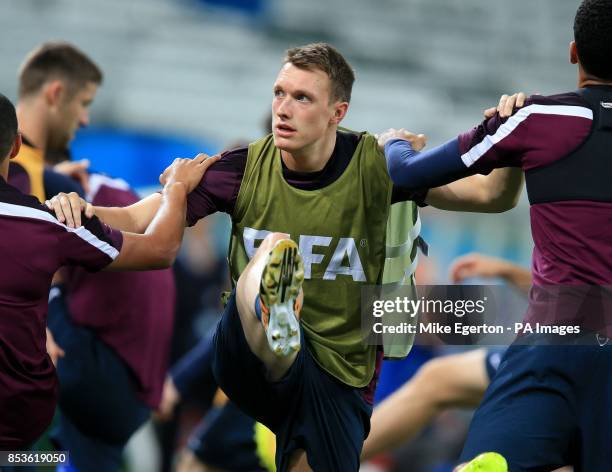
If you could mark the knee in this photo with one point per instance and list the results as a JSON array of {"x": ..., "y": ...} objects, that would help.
[{"x": 432, "y": 380}]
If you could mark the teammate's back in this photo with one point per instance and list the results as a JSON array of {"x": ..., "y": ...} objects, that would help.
[
  {"x": 560, "y": 143},
  {"x": 34, "y": 244}
]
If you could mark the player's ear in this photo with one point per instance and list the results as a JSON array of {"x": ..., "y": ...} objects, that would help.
[
  {"x": 53, "y": 91},
  {"x": 340, "y": 110},
  {"x": 16, "y": 146},
  {"x": 573, "y": 53}
]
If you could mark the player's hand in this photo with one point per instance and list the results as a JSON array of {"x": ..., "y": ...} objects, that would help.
[
  {"x": 55, "y": 352},
  {"x": 417, "y": 141},
  {"x": 78, "y": 170},
  {"x": 506, "y": 105},
  {"x": 476, "y": 265},
  {"x": 68, "y": 208},
  {"x": 187, "y": 171},
  {"x": 170, "y": 398}
]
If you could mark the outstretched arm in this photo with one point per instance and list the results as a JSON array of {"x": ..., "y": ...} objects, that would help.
[
  {"x": 499, "y": 191},
  {"x": 479, "y": 265},
  {"x": 70, "y": 207},
  {"x": 158, "y": 246},
  {"x": 96, "y": 245},
  {"x": 135, "y": 218},
  {"x": 494, "y": 193}
]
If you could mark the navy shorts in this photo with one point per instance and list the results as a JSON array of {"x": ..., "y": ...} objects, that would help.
[
  {"x": 307, "y": 409},
  {"x": 225, "y": 429},
  {"x": 98, "y": 407},
  {"x": 548, "y": 406}
]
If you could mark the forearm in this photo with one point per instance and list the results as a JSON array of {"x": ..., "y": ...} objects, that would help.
[
  {"x": 517, "y": 276},
  {"x": 413, "y": 170},
  {"x": 165, "y": 232},
  {"x": 134, "y": 218},
  {"x": 494, "y": 193},
  {"x": 500, "y": 190},
  {"x": 118, "y": 218}
]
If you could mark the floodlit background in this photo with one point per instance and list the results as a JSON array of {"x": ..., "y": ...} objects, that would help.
[{"x": 183, "y": 76}]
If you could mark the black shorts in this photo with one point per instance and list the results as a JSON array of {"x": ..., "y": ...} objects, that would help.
[
  {"x": 307, "y": 409},
  {"x": 548, "y": 406}
]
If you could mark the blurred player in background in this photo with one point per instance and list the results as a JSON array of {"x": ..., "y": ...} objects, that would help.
[
  {"x": 224, "y": 428},
  {"x": 548, "y": 406},
  {"x": 57, "y": 84},
  {"x": 451, "y": 381},
  {"x": 117, "y": 349},
  {"x": 38, "y": 245}
]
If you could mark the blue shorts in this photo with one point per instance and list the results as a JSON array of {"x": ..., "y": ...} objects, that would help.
[
  {"x": 307, "y": 409},
  {"x": 225, "y": 429},
  {"x": 548, "y": 406},
  {"x": 395, "y": 373},
  {"x": 98, "y": 407}
]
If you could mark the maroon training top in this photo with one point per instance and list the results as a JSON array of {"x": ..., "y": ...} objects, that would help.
[
  {"x": 571, "y": 223},
  {"x": 33, "y": 246},
  {"x": 571, "y": 238}
]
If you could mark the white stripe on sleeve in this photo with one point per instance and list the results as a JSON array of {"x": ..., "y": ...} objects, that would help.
[
  {"x": 20, "y": 211},
  {"x": 476, "y": 152}
]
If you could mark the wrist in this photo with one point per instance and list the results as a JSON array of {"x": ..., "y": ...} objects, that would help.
[
  {"x": 505, "y": 270},
  {"x": 175, "y": 187},
  {"x": 404, "y": 142}
]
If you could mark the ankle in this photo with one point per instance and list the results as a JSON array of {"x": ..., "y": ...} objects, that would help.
[{"x": 257, "y": 306}]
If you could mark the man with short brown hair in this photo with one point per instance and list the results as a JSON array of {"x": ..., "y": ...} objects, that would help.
[
  {"x": 57, "y": 60},
  {"x": 326, "y": 58},
  {"x": 57, "y": 84}
]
